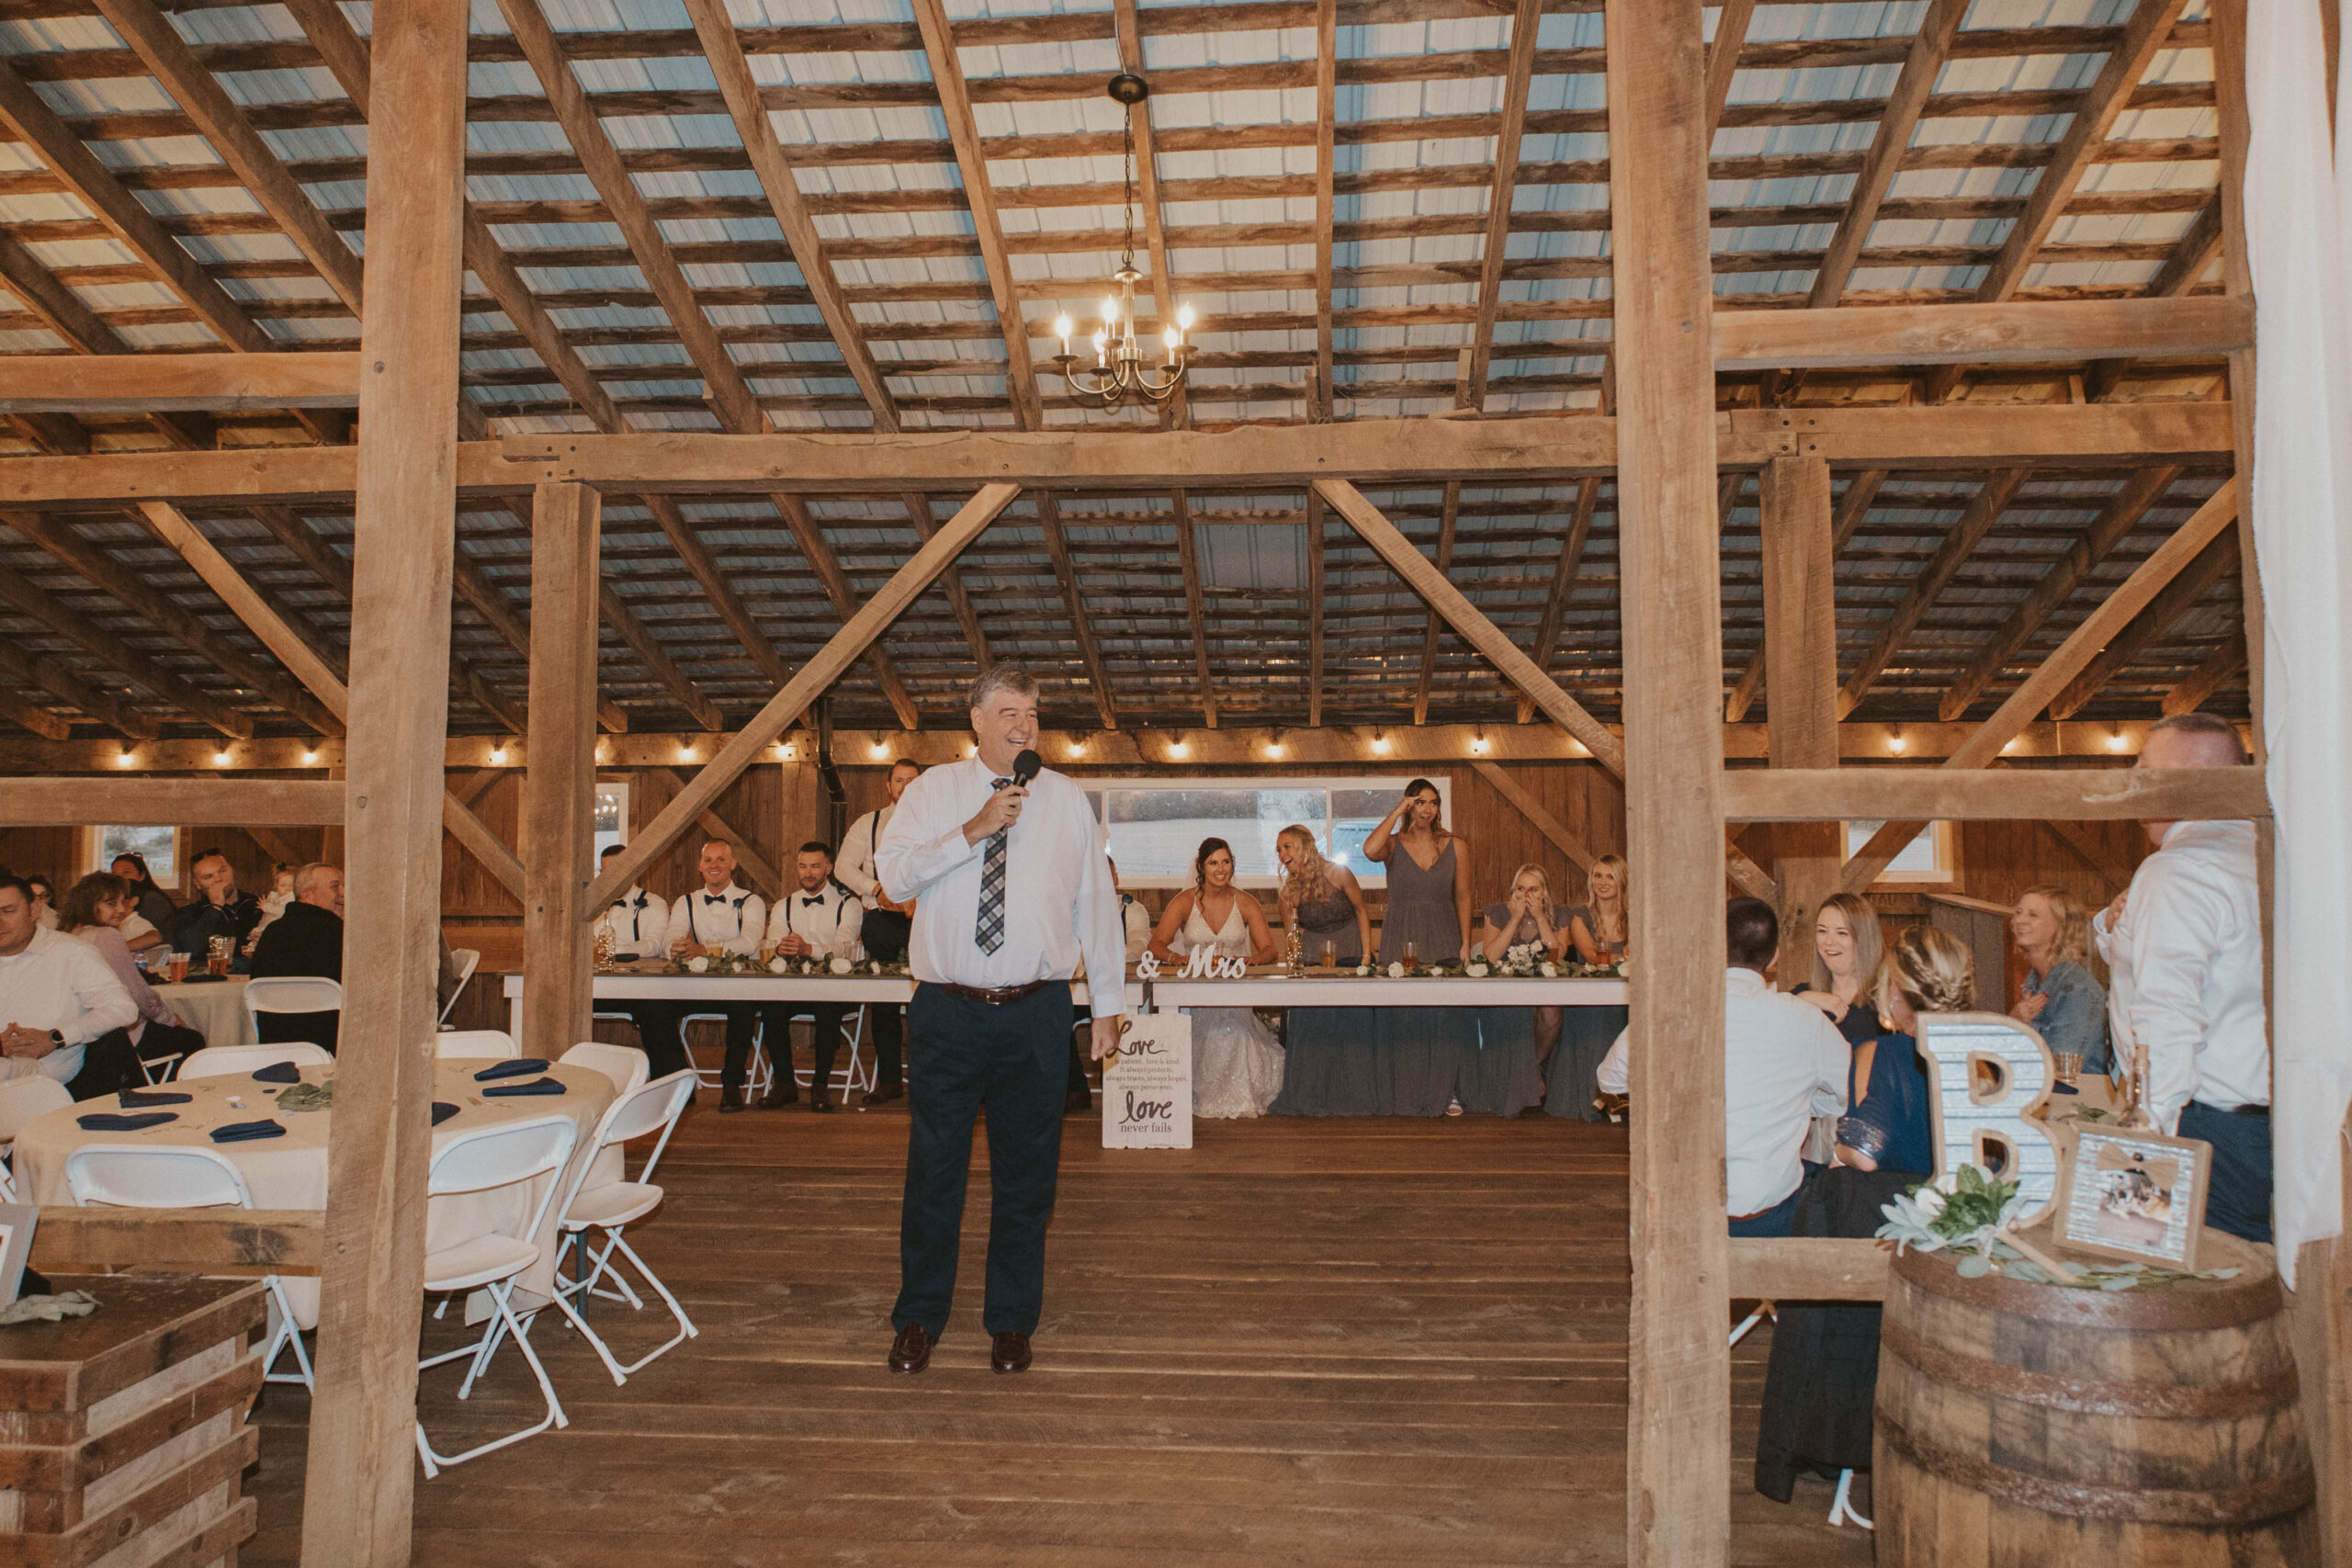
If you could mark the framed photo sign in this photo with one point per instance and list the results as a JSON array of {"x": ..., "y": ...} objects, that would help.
[
  {"x": 1148, "y": 1088},
  {"x": 2136, "y": 1195}
]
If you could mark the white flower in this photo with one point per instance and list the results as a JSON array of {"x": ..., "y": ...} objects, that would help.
[
  {"x": 875, "y": 966},
  {"x": 1395, "y": 971},
  {"x": 1551, "y": 970},
  {"x": 840, "y": 966},
  {"x": 1930, "y": 1203},
  {"x": 1478, "y": 971},
  {"x": 779, "y": 966},
  {"x": 698, "y": 965},
  {"x": 1363, "y": 969},
  {"x": 1620, "y": 968}
]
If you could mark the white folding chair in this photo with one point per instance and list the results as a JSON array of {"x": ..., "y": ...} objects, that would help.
[
  {"x": 479, "y": 1043},
  {"x": 227, "y": 1061},
  {"x": 759, "y": 1074},
  {"x": 149, "y": 1175},
  {"x": 625, "y": 1064},
  {"x": 845, "y": 1076},
  {"x": 615, "y": 1205},
  {"x": 22, "y": 1102},
  {"x": 477, "y": 1162},
  {"x": 290, "y": 993},
  {"x": 156, "y": 1069},
  {"x": 469, "y": 959}
]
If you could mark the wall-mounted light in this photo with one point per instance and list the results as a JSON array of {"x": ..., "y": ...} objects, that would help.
[
  {"x": 309, "y": 759},
  {"x": 784, "y": 747},
  {"x": 498, "y": 756},
  {"x": 1478, "y": 741},
  {"x": 1076, "y": 747},
  {"x": 878, "y": 751},
  {"x": 1380, "y": 742},
  {"x": 971, "y": 750},
  {"x": 127, "y": 758},
  {"x": 1895, "y": 743},
  {"x": 2118, "y": 741},
  {"x": 1179, "y": 746},
  {"x": 686, "y": 751},
  {"x": 1275, "y": 747},
  {"x": 220, "y": 759}
]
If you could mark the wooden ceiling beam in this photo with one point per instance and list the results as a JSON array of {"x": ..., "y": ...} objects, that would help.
[
  {"x": 2213, "y": 563},
  {"x": 1128, "y": 22},
  {"x": 819, "y": 553},
  {"x": 1921, "y": 64},
  {"x": 1326, "y": 120},
  {"x": 1313, "y": 610},
  {"x": 1448, "y": 517},
  {"x": 2201, "y": 683},
  {"x": 1853, "y": 507},
  {"x": 487, "y": 599},
  {"x": 2192, "y": 256},
  {"x": 130, "y": 383},
  {"x": 27, "y": 598},
  {"x": 2012, "y": 332},
  {"x": 658, "y": 664},
  {"x": 59, "y": 435},
  {"x": 2147, "y": 32},
  {"x": 2114, "y": 524},
  {"x": 1527, "y": 18},
  {"x": 1195, "y": 607},
  {"x": 1066, "y": 574},
  {"x": 712, "y": 579},
  {"x": 980, "y": 193},
  {"x": 1976, "y": 520},
  {"x": 1732, "y": 18},
  {"x": 1564, "y": 585},
  {"x": 39, "y": 670},
  {"x": 918, "y": 507},
  {"x": 32, "y": 716}
]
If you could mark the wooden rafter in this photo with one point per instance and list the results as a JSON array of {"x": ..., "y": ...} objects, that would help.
[
  {"x": 2215, "y": 562},
  {"x": 487, "y": 599},
  {"x": 1448, "y": 517},
  {"x": 1853, "y": 507},
  {"x": 2149, "y": 27},
  {"x": 1188, "y": 561},
  {"x": 55, "y": 434},
  {"x": 37, "y": 670},
  {"x": 27, "y": 598},
  {"x": 658, "y": 664},
  {"x": 951, "y": 583},
  {"x": 979, "y": 192},
  {"x": 1921, "y": 64},
  {"x": 2114, "y": 522},
  {"x": 818, "y": 552},
  {"x": 1564, "y": 584},
  {"x": 712, "y": 581},
  {"x": 32, "y": 716},
  {"x": 1050, "y": 519},
  {"x": 1177, "y": 410},
  {"x": 1976, "y": 520},
  {"x": 1732, "y": 18},
  {"x": 1313, "y": 610},
  {"x": 1562, "y": 838},
  {"x": 1527, "y": 17},
  {"x": 1326, "y": 118},
  {"x": 2201, "y": 683}
]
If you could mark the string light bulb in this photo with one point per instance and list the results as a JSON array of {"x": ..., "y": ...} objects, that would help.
[
  {"x": 1179, "y": 746},
  {"x": 1380, "y": 742},
  {"x": 497, "y": 756},
  {"x": 309, "y": 758},
  {"x": 221, "y": 759},
  {"x": 686, "y": 751},
  {"x": 2118, "y": 741},
  {"x": 1895, "y": 743},
  {"x": 127, "y": 757}
]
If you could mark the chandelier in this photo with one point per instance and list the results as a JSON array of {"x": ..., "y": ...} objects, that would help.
[{"x": 1119, "y": 371}]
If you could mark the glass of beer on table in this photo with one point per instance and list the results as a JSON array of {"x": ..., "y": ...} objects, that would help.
[
  {"x": 178, "y": 967},
  {"x": 217, "y": 951}
]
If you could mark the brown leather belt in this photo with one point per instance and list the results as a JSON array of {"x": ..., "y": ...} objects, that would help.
[{"x": 999, "y": 996}]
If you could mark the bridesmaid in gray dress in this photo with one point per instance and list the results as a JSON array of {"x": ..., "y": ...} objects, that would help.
[
  {"x": 1327, "y": 1068},
  {"x": 1421, "y": 1054},
  {"x": 1597, "y": 931}
]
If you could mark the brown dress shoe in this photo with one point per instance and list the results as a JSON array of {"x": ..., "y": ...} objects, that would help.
[
  {"x": 731, "y": 1101},
  {"x": 820, "y": 1102},
  {"x": 776, "y": 1098},
  {"x": 1009, "y": 1353},
  {"x": 883, "y": 1093},
  {"x": 910, "y": 1351}
]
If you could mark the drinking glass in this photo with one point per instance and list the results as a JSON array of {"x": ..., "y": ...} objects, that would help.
[
  {"x": 1331, "y": 954},
  {"x": 178, "y": 962},
  {"x": 2070, "y": 1066},
  {"x": 217, "y": 951},
  {"x": 1412, "y": 953}
]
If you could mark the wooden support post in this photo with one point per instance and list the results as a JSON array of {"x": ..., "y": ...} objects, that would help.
[
  {"x": 363, "y": 1444},
  {"x": 1314, "y": 611},
  {"x": 1678, "y": 1450},
  {"x": 1801, "y": 716},
  {"x": 560, "y": 782}
]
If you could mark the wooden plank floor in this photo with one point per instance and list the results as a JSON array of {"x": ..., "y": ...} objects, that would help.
[{"x": 1342, "y": 1342}]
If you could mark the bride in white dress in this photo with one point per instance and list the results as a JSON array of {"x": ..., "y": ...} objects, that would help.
[{"x": 1236, "y": 1067}]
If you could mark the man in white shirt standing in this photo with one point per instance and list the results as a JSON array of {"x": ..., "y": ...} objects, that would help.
[
  {"x": 1012, "y": 891},
  {"x": 1784, "y": 1064},
  {"x": 716, "y": 917},
  {"x": 640, "y": 924},
  {"x": 2184, "y": 949},
  {"x": 62, "y": 1012},
  {"x": 888, "y": 923},
  {"x": 820, "y": 921}
]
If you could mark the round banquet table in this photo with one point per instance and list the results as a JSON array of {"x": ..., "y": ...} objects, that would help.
[
  {"x": 215, "y": 1009},
  {"x": 291, "y": 1172}
]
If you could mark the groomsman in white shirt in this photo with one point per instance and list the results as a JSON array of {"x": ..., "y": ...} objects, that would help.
[
  {"x": 640, "y": 924},
  {"x": 819, "y": 920},
  {"x": 888, "y": 926},
  {"x": 1011, "y": 888},
  {"x": 2183, "y": 952},
  {"x": 719, "y": 917}
]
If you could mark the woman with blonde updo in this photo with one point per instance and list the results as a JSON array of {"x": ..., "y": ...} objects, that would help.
[{"x": 1885, "y": 1126}]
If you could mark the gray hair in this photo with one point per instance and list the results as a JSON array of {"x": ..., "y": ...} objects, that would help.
[
  {"x": 307, "y": 878},
  {"x": 1003, "y": 678},
  {"x": 2210, "y": 731}
]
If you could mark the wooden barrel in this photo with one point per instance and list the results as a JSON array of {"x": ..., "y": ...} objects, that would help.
[{"x": 2021, "y": 1424}]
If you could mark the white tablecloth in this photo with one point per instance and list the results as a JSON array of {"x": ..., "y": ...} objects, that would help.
[
  {"x": 215, "y": 1009},
  {"x": 291, "y": 1172}
]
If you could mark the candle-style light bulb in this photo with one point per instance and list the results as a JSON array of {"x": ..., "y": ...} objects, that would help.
[
  {"x": 1102, "y": 341},
  {"x": 1110, "y": 313},
  {"x": 1184, "y": 318},
  {"x": 1063, "y": 327},
  {"x": 1174, "y": 340}
]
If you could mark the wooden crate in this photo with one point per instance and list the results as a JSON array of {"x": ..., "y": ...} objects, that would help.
[{"x": 123, "y": 1434}]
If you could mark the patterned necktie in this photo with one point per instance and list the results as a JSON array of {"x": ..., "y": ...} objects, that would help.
[{"x": 989, "y": 934}]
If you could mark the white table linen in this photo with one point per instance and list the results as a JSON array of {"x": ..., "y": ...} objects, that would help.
[{"x": 215, "y": 1009}]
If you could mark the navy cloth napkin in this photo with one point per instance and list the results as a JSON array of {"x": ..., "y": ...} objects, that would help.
[
  {"x": 520, "y": 1068},
  {"x": 112, "y": 1122},
  {"x": 147, "y": 1100},
  {"x": 279, "y": 1072},
  {"x": 204, "y": 977},
  {"x": 247, "y": 1131},
  {"x": 442, "y": 1112},
  {"x": 536, "y": 1086},
  {"x": 2064, "y": 1088}
]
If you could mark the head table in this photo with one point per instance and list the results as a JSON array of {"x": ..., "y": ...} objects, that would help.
[{"x": 291, "y": 1172}]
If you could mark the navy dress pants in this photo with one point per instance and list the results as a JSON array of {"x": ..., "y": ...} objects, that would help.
[
  {"x": 2238, "y": 1199},
  {"x": 966, "y": 1056}
]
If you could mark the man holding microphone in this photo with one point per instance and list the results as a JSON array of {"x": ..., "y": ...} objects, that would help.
[{"x": 1005, "y": 863}]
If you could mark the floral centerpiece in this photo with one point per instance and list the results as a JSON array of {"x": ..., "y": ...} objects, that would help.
[{"x": 1971, "y": 1211}]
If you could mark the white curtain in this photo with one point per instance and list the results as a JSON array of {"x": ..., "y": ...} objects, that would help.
[{"x": 2298, "y": 203}]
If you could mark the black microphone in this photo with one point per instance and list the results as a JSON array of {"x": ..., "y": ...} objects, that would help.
[{"x": 1024, "y": 768}]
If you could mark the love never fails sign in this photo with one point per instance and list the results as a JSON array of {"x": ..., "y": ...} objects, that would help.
[{"x": 1147, "y": 1088}]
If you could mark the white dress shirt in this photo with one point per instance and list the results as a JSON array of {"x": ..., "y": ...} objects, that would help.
[
  {"x": 855, "y": 867},
  {"x": 729, "y": 920},
  {"x": 640, "y": 923},
  {"x": 2186, "y": 971},
  {"x": 61, "y": 984},
  {"x": 827, "y": 919},
  {"x": 1059, "y": 904},
  {"x": 1784, "y": 1064}
]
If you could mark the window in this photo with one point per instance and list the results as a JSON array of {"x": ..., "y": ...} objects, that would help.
[
  {"x": 612, "y": 816},
  {"x": 159, "y": 846},
  {"x": 1155, "y": 825},
  {"x": 1928, "y": 857}
]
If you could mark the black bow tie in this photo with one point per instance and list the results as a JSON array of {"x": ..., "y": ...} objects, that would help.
[
  {"x": 713, "y": 898},
  {"x": 816, "y": 903}
]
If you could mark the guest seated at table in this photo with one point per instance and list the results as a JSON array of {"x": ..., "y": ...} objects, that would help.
[
  {"x": 819, "y": 920},
  {"x": 1598, "y": 931},
  {"x": 639, "y": 922},
  {"x": 1321, "y": 900},
  {"x": 44, "y": 901},
  {"x": 156, "y": 911},
  {"x": 93, "y": 912},
  {"x": 62, "y": 1013},
  {"x": 716, "y": 917},
  {"x": 280, "y": 894},
  {"x": 1236, "y": 1067},
  {"x": 305, "y": 940},
  {"x": 1846, "y": 949},
  {"x": 2063, "y": 1000},
  {"x": 1529, "y": 917},
  {"x": 221, "y": 910},
  {"x": 1783, "y": 1067}
]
